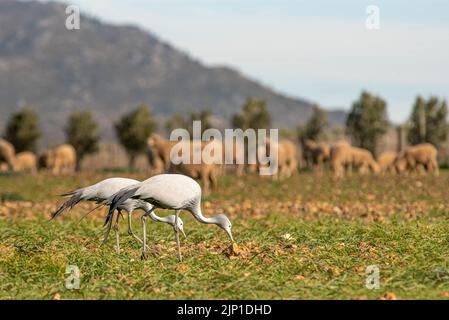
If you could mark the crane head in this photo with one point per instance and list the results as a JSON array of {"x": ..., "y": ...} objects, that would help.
[
  {"x": 172, "y": 219},
  {"x": 223, "y": 222},
  {"x": 181, "y": 227}
]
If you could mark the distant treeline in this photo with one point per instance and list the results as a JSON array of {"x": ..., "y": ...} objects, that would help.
[{"x": 366, "y": 123}]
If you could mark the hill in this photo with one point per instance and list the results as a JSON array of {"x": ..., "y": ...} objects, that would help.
[{"x": 111, "y": 69}]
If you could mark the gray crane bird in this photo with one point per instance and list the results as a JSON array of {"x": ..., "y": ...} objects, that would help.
[
  {"x": 105, "y": 189},
  {"x": 169, "y": 191}
]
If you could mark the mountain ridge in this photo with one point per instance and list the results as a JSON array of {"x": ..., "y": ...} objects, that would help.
[{"x": 110, "y": 69}]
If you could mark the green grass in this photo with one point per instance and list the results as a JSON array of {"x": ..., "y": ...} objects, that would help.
[{"x": 325, "y": 257}]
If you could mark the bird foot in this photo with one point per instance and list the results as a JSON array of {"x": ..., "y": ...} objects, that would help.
[{"x": 144, "y": 256}]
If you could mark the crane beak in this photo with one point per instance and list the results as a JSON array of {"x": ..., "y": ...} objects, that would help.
[
  {"x": 182, "y": 231},
  {"x": 230, "y": 235}
]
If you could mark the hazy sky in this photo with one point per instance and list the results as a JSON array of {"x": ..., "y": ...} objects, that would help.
[{"x": 319, "y": 50}]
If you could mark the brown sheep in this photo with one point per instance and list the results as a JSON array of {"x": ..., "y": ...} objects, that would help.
[
  {"x": 386, "y": 161},
  {"x": 287, "y": 161},
  {"x": 421, "y": 156},
  {"x": 155, "y": 154},
  {"x": 315, "y": 154},
  {"x": 25, "y": 162},
  {"x": 363, "y": 160},
  {"x": 160, "y": 157},
  {"x": 344, "y": 157},
  {"x": 232, "y": 147},
  {"x": 7, "y": 153},
  {"x": 159, "y": 152},
  {"x": 61, "y": 159},
  {"x": 207, "y": 173},
  {"x": 156, "y": 164},
  {"x": 341, "y": 158},
  {"x": 3, "y": 167}
]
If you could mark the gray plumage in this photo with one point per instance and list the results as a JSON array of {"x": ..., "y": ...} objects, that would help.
[
  {"x": 103, "y": 190},
  {"x": 169, "y": 191}
]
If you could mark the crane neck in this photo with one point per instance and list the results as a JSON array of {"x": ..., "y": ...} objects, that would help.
[
  {"x": 156, "y": 218},
  {"x": 198, "y": 215}
]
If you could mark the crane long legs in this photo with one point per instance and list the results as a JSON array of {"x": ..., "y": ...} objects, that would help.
[
  {"x": 108, "y": 229},
  {"x": 116, "y": 230},
  {"x": 130, "y": 231},
  {"x": 144, "y": 236},
  {"x": 144, "y": 233},
  {"x": 177, "y": 235}
]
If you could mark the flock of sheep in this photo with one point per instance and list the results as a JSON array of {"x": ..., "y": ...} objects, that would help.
[
  {"x": 341, "y": 158},
  {"x": 159, "y": 153},
  {"x": 419, "y": 158},
  {"x": 58, "y": 160}
]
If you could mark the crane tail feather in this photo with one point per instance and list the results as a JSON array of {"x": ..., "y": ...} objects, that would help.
[
  {"x": 69, "y": 204},
  {"x": 115, "y": 201},
  {"x": 71, "y": 193}
]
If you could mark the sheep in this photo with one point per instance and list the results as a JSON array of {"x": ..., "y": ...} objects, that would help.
[
  {"x": 7, "y": 153},
  {"x": 231, "y": 148},
  {"x": 60, "y": 160},
  {"x": 344, "y": 157},
  {"x": 160, "y": 156},
  {"x": 3, "y": 167},
  {"x": 159, "y": 152},
  {"x": 207, "y": 173},
  {"x": 286, "y": 160},
  {"x": 386, "y": 161},
  {"x": 315, "y": 154},
  {"x": 363, "y": 160},
  {"x": 25, "y": 162},
  {"x": 155, "y": 154},
  {"x": 422, "y": 156},
  {"x": 341, "y": 158}
]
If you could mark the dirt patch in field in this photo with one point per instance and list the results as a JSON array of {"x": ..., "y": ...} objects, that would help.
[{"x": 366, "y": 210}]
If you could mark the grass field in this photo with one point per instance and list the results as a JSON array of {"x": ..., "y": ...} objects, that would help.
[{"x": 306, "y": 237}]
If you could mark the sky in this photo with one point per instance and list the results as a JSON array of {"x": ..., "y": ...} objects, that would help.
[{"x": 318, "y": 50}]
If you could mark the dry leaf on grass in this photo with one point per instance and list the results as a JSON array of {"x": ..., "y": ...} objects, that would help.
[
  {"x": 182, "y": 268},
  {"x": 359, "y": 269},
  {"x": 359, "y": 298},
  {"x": 389, "y": 296}
]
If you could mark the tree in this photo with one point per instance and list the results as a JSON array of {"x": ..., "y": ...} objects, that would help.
[
  {"x": 133, "y": 130},
  {"x": 428, "y": 121},
  {"x": 204, "y": 117},
  {"x": 176, "y": 121},
  {"x": 367, "y": 121},
  {"x": 81, "y": 133},
  {"x": 22, "y": 130},
  {"x": 316, "y": 126},
  {"x": 254, "y": 115}
]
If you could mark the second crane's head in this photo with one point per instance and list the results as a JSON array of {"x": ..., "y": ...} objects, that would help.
[
  {"x": 223, "y": 222},
  {"x": 171, "y": 219}
]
